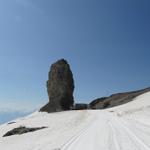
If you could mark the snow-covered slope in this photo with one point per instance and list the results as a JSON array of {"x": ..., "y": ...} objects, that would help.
[{"x": 125, "y": 127}]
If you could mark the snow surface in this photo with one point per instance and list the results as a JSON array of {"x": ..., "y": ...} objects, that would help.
[{"x": 125, "y": 127}]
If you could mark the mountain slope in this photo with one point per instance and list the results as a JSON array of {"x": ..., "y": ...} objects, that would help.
[
  {"x": 125, "y": 127},
  {"x": 116, "y": 99}
]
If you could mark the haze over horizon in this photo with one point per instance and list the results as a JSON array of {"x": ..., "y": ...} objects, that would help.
[{"x": 107, "y": 44}]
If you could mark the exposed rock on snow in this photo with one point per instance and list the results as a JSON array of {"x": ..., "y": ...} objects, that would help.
[
  {"x": 116, "y": 99},
  {"x": 125, "y": 127},
  {"x": 80, "y": 106},
  {"x": 21, "y": 130},
  {"x": 98, "y": 101},
  {"x": 12, "y": 122},
  {"x": 60, "y": 87}
]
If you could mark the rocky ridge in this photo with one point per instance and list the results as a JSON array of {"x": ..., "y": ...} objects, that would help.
[{"x": 60, "y": 87}]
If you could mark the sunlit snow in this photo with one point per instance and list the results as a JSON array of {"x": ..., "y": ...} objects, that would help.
[{"x": 125, "y": 127}]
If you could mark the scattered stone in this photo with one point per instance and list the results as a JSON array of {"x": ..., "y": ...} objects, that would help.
[
  {"x": 22, "y": 130},
  {"x": 11, "y": 122},
  {"x": 60, "y": 87}
]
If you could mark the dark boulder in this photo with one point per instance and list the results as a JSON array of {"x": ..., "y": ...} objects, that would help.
[{"x": 60, "y": 87}]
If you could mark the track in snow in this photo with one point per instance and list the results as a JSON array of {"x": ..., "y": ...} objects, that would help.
[{"x": 108, "y": 132}]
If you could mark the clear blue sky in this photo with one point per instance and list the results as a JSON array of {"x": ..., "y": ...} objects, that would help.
[{"x": 107, "y": 43}]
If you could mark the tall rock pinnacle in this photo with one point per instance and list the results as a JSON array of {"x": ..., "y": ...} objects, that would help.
[{"x": 60, "y": 87}]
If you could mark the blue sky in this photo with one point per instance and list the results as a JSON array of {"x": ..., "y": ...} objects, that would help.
[{"x": 107, "y": 43}]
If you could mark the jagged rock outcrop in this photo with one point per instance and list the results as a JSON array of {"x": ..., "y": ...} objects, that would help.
[
  {"x": 60, "y": 87},
  {"x": 116, "y": 99}
]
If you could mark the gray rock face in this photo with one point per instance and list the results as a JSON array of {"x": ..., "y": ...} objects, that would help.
[
  {"x": 60, "y": 87},
  {"x": 116, "y": 99},
  {"x": 80, "y": 106}
]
